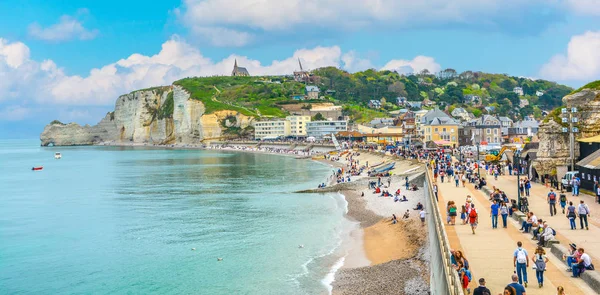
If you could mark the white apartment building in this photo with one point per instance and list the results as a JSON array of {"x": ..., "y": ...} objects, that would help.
[
  {"x": 271, "y": 129},
  {"x": 298, "y": 125},
  {"x": 320, "y": 129}
]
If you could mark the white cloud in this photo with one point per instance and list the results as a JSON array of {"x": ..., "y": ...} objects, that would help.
[
  {"x": 415, "y": 65},
  {"x": 68, "y": 28},
  {"x": 45, "y": 84},
  {"x": 581, "y": 62},
  {"x": 301, "y": 15},
  {"x": 591, "y": 7}
]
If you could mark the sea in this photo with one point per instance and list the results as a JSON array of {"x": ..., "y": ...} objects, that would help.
[{"x": 134, "y": 220}]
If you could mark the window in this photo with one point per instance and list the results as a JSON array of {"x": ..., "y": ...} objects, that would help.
[
  {"x": 436, "y": 130},
  {"x": 451, "y": 130},
  {"x": 444, "y": 129},
  {"x": 488, "y": 131},
  {"x": 488, "y": 139},
  {"x": 495, "y": 131}
]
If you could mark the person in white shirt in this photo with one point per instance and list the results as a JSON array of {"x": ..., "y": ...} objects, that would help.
[
  {"x": 547, "y": 235},
  {"x": 422, "y": 215},
  {"x": 583, "y": 211},
  {"x": 584, "y": 262}
]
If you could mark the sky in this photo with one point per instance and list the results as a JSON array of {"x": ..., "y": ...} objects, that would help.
[{"x": 70, "y": 60}]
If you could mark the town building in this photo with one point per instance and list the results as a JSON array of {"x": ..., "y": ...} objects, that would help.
[
  {"x": 539, "y": 93},
  {"x": 518, "y": 90},
  {"x": 407, "y": 121},
  {"x": 298, "y": 125},
  {"x": 323, "y": 129},
  {"x": 523, "y": 103},
  {"x": 485, "y": 130},
  {"x": 472, "y": 99},
  {"x": 418, "y": 116},
  {"x": 416, "y": 105},
  {"x": 505, "y": 123},
  {"x": 401, "y": 100},
  {"x": 329, "y": 112},
  {"x": 526, "y": 128},
  {"x": 438, "y": 127},
  {"x": 312, "y": 92},
  {"x": 239, "y": 71},
  {"x": 271, "y": 129}
]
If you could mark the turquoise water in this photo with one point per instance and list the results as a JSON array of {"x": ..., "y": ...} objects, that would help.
[{"x": 110, "y": 220}]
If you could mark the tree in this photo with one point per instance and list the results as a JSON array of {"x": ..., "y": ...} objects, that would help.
[
  {"x": 318, "y": 117},
  {"x": 398, "y": 88},
  {"x": 466, "y": 75},
  {"x": 424, "y": 72}
]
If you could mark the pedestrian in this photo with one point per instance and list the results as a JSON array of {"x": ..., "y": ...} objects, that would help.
[
  {"x": 406, "y": 182},
  {"x": 527, "y": 186},
  {"x": 482, "y": 289},
  {"x": 452, "y": 213},
  {"x": 465, "y": 278},
  {"x": 389, "y": 182},
  {"x": 456, "y": 179},
  {"x": 563, "y": 201},
  {"x": 516, "y": 286},
  {"x": 504, "y": 213},
  {"x": 540, "y": 260},
  {"x": 576, "y": 183},
  {"x": 463, "y": 215},
  {"x": 435, "y": 191},
  {"x": 521, "y": 263},
  {"x": 597, "y": 191},
  {"x": 571, "y": 215},
  {"x": 473, "y": 218},
  {"x": 464, "y": 179},
  {"x": 583, "y": 210},
  {"x": 422, "y": 216},
  {"x": 552, "y": 202},
  {"x": 494, "y": 213}
]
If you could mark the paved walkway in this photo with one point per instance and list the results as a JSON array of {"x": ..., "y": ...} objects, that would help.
[
  {"x": 490, "y": 251},
  {"x": 587, "y": 239}
]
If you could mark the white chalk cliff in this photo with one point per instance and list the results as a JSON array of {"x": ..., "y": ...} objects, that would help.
[{"x": 162, "y": 115}]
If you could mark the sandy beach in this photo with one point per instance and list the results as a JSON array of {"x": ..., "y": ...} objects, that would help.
[{"x": 390, "y": 258}]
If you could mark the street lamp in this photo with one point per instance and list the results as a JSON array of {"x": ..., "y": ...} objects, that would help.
[{"x": 569, "y": 117}]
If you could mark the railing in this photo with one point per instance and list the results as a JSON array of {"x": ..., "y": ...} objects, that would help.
[{"x": 444, "y": 279}]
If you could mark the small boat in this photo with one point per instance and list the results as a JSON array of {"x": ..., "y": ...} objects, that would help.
[
  {"x": 57, "y": 156},
  {"x": 37, "y": 168},
  {"x": 382, "y": 169}
]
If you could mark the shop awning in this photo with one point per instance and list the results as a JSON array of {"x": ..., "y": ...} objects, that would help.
[{"x": 590, "y": 139}]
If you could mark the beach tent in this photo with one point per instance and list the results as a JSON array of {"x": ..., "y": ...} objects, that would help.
[{"x": 311, "y": 139}]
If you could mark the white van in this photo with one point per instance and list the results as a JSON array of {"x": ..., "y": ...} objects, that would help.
[{"x": 567, "y": 179}]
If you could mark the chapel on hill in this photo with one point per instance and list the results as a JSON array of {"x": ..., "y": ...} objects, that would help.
[{"x": 239, "y": 71}]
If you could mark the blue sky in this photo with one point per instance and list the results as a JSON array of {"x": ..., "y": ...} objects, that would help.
[{"x": 69, "y": 60}]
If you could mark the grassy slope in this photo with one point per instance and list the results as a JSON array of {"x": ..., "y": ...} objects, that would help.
[{"x": 592, "y": 85}]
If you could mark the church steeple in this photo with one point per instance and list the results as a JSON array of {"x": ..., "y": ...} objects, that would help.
[{"x": 235, "y": 64}]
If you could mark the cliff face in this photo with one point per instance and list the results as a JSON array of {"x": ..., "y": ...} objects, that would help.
[
  {"x": 553, "y": 154},
  {"x": 164, "y": 115}
]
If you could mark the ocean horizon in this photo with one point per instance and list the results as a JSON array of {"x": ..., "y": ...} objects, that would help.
[{"x": 146, "y": 220}]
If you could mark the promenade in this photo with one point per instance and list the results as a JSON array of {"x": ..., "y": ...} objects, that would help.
[{"x": 490, "y": 251}]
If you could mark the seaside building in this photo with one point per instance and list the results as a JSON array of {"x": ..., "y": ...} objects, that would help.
[
  {"x": 271, "y": 129},
  {"x": 486, "y": 130},
  {"x": 440, "y": 128},
  {"x": 322, "y": 129},
  {"x": 239, "y": 71},
  {"x": 298, "y": 125}
]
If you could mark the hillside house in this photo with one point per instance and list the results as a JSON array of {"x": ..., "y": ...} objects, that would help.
[
  {"x": 490, "y": 109},
  {"x": 523, "y": 103},
  {"x": 518, "y": 90},
  {"x": 414, "y": 104},
  {"x": 375, "y": 104},
  {"x": 472, "y": 99},
  {"x": 462, "y": 114},
  {"x": 539, "y": 93},
  {"x": 505, "y": 123},
  {"x": 401, "y": 100},
  {"x": 312, "y": 92}
]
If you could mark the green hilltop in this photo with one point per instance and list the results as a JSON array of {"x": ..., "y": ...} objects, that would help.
[{"x": 265, "y": 96}]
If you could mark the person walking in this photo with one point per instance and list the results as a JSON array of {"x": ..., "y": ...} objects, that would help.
[
  {"x": 473, "y": 218},
  {"x": 552, "y": 202},
  {"x": 456, "y": 179},
  {"x": 422, "y": 216},
  {"x": 571, "y": 215},
  {"x": 406, "y": 182},
  {"x": 563, "y": 201},
  {"x": 435, "y": 191},
  {"x": 494, "y": 213},
  {"x": 583, "y": 210},
  {"x": 540, "y": 260},
  {"x": 389, "y": 182},
  {"x": 527, "y": 186},
  {"x": 482, "y": 289},
  {"x": 521, "y": 263},
  {"x": 516, "y": 286},
  {"x": 503, "y": 213}
]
